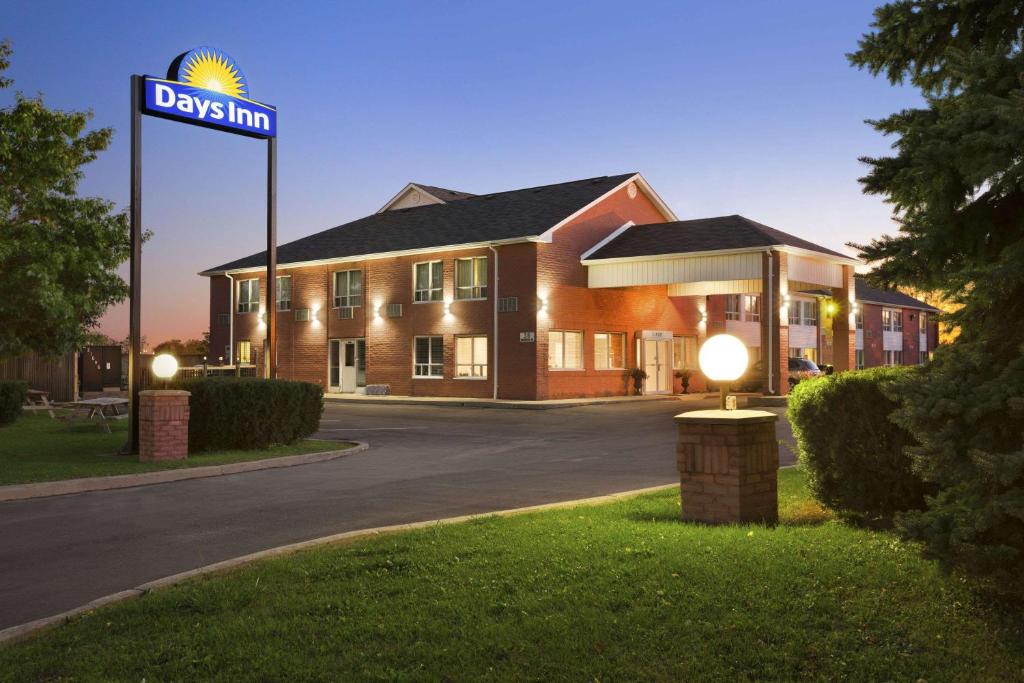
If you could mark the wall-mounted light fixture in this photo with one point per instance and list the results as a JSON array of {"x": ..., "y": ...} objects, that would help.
[
  {"x": 314, "y": 315},
  {"x": 447, "y": 308},
  {"x": 376, "y": 310},
  {"x": 542, "y": 305}
]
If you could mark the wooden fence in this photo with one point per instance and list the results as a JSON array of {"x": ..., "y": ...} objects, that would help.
[{"x": 58, "y": 376}]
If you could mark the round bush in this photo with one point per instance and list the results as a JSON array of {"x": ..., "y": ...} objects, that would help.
[
  {"x": 853, "y": 452},
  {"x": 12, "y": 398}
]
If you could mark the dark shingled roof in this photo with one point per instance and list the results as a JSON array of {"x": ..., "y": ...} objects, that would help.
[
  {"x": 443, "y": 193},
  {"x": 702, "y": 234},
  {"x": 889, "y": 297},
  {"x": 482, "y": 218}
]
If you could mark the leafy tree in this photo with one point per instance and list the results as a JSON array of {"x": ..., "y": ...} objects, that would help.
[
  {"x": 956, "y": 184},
  {"x": 58, "y": 252}
]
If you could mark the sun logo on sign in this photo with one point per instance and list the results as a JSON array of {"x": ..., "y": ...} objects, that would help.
[{"x": 210, "y": 69}]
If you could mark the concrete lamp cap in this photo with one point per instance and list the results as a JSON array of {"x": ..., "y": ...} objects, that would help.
[
  {"x": 723, "y": 358},
  {"x": 165, "y": 365}
]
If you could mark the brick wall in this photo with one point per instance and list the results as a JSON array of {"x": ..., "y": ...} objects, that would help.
[
  {"x": 220, "y": 302},
  {"x": 911, "y": 337},
  {"x": 873, "y": 353}
]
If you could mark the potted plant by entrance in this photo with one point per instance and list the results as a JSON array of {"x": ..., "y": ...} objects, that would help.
[
  {"x": 684, "y": 376},
  {"x": 638, "y": 376}
]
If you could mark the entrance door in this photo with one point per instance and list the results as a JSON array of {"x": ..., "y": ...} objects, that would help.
[
  {"x": 345, "y": 364},
  {"x": 657, "y": 365}
]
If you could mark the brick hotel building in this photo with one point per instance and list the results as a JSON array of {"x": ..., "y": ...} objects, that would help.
[{"x": 551, "y": 292}]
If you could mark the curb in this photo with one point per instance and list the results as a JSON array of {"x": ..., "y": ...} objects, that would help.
[
  {"x": 22, "y": 631},
  {"x": 508, "y": 405},
  {"x": 63, "y": 487}
]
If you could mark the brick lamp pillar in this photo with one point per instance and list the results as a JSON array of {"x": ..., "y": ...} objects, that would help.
[
  {"x": 163, "y": 425},
  {"x": 728, "y": 463}
]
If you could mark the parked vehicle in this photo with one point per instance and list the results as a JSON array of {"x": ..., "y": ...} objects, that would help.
[{"x": 800, "y": 369}]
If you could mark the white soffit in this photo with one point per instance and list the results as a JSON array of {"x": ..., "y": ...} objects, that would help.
[{"x": 675, "y": 270}]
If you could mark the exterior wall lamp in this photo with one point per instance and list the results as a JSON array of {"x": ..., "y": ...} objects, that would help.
[
  {"x": 542, "y": 305},
  {"x": 447, "y": 308}
]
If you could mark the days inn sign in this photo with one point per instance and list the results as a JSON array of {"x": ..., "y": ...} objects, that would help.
[
  {"x": 206, "y": 87},
  {"x": 203, "y": 87}
]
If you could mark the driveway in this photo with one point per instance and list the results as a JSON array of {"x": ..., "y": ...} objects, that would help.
[{"x": 424, "y": 463}]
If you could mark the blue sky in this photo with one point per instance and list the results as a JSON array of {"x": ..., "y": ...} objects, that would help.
[{"x": 741, "y": 107}]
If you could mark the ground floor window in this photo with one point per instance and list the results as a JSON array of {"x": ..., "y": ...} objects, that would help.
[
  {"x": 684, "y": 353},
  {"x": 471, "y": 357},
  {"x": 894, "y": 357},
  {"x": 565, "y": 350},
  {"x": 859, "y": 362},
  {"x": 244, "y": 352},
  {"x": 810, "y": 353},
  {"x": 429, "y": 361},
  {"x": 609, "y": 351},
  {"x": 923, "y": 357}
]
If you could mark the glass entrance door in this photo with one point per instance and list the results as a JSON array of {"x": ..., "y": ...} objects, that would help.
[
  {"x": 346, "y": 365},
  {"x": 657, "y": 365}
]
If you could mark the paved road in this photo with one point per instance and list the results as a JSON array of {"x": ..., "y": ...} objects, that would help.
[{"x": 424, "y": 463}]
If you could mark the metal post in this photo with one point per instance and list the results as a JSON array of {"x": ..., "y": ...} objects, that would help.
[
  {"x": 272, "y": 257},
  {"x": 723, "y": 392},
  {"x": 135, "y": 276}
]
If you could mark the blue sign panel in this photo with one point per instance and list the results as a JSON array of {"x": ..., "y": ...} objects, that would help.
[{"x": 205, "y": 87}]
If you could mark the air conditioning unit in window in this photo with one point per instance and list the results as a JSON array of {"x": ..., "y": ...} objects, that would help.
[
  {"x": 302, "y": 315},
  {"x": 394, "y": 310},
  {"x": 508, "y": 304},
  {"x": 346, "y": 313}
]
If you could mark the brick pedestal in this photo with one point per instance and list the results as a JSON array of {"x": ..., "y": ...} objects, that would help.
[
  {"x": 163, "y": 425},
  {"x": 728, "y": 463}
]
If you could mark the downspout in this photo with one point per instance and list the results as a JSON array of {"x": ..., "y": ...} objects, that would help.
[
  {"x": 231, "y": 319},
  {"x": 496, "y": 280},
  {"x": 770, "y": 309}
]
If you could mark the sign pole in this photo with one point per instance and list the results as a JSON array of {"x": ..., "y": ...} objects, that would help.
[
  {"x": 135, "y": 276},
  {"x": 272, "y": 257}
]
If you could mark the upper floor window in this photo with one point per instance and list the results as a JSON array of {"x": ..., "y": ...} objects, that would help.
[
  {"x": 248, "y": 296},
  {"x": 428, "y": 278},
  {"x": 859, "y": 318},
  {"x": 892, "y": 320},
  {"x": 471, "y": 278},
  {"x": 810, "y": 312},
  {"x": 794, "y": 312},
  {"x": 732, "y": 307},
  {"x": 284, "y": 292},
  {"x": 609, "y": 351},
  {"x": 922, "y": 322},
  {"x": 348, "y": 288},
  {"x": 752, "y": 308}
]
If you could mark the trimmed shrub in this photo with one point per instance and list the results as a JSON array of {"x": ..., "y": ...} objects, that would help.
[
  {"x": 854, "y": 454},
  {"x": 12, "y": 398},
  {"x": 247, "y": 413}
]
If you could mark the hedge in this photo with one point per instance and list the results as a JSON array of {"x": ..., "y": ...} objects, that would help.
[
  {"x": 854, "y": 454},
  {"x": 12, "y": 398},
  {"x": 247, "y": 413}
]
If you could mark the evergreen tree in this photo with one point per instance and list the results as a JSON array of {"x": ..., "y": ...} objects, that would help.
[
  {"x": 58, "y": 252},
  {"x": 956, "y": 184}
]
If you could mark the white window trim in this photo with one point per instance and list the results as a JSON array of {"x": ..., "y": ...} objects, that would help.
[
  {"x": 440, "y": 264},
  {"x": 486, "y": 365},
  {"x": 455, "y": 294},
  {"x": 583, "y": 351},
  {"x": 414, "y": 363},
  {"x": 610, "y": 367},
  {"x": 249, "y": 303},
  {"x": 334, "y": 288},
  {"x": 290, "y": 299}
]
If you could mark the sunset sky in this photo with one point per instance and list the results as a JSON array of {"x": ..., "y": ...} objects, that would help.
[{"x": 743, "y": 107}]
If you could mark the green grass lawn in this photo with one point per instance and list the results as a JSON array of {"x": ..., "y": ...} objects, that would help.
[
  {"x": 39, "y": 448},
  {"x": 616, "y": 592}
]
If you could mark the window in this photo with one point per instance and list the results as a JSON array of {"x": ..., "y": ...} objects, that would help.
[
  {"x": 892, "y": 320},
  {"x": 508, "y": 304},
  {"x": 810, "y": 353},
  {"x": 794, "y": 312},
  {"x": 348, "y": 288},
  {"x": 859, "y": 319},
  {"x": 248, "y": 296},
  {"x": 227, "y": 353},
  {"x": 428, "y": 278},
  {"x": 894, "y": 358},
  {"x": 565, "y": 350},
  {"x": 609, "y": 351},
  {"x": 732, "y": 307},
  {"x": 859, "y": 362},
  {"x": 244, "y": 352},
  {"x": 471, "y": 357},
  {"x": 922, "y": 357},
  {"x": 684, "y": 353},
  {"x": 922, "y": 322},
  {"x": 897, "y": 321},
  {"x": 752, "y": 308},
  {"x": 471, "y": 278},
  {"x": 810, "y": 313},
  {"x": 429, "y": 360},
  {"x": 284, "y": 292}
]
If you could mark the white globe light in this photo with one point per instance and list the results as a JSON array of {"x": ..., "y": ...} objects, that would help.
[
  {"x": 165, "y": 365},
  {"x": 723, "y": 358}
]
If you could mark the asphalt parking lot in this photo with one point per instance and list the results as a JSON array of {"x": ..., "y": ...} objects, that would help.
[{"x": 424, "y": 463}]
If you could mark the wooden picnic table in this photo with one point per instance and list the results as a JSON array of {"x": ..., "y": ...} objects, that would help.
[
  {"x": 38, "y": 399},
  {"x": 93, "y": 407}
]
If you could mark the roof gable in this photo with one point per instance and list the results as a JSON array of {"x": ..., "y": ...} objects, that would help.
[
  {"x": 701, "y": 235},
  {"x": 419, "y": 194},
  {"x": 500, "y": 216}
]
